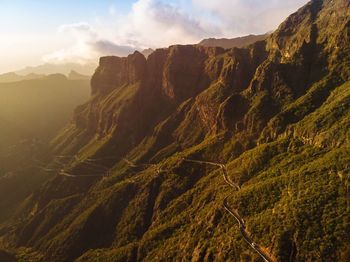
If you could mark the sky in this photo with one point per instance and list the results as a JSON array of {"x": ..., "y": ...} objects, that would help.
[{"x": 34, "y": 32}]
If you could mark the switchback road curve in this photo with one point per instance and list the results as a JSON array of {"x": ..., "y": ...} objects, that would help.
[{"x": 234, "y": 213}]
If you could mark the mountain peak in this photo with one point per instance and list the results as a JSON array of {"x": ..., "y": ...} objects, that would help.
[
  {"x": 322, "y": 24},
  {"x": 114, "y": 71},
  {"x": 74, "y": 75}
]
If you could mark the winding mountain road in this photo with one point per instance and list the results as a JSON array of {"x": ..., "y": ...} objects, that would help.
[
  {"x": 89, "y": 162},
  {"x": 63, "y": 173},
  {"x": 234, "y": 213},
  {"x": 97, "y": 167}
]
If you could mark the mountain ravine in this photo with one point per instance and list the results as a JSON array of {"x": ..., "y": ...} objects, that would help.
[{"x": 120, "y": 186}]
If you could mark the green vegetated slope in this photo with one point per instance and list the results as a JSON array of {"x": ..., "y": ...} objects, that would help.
[
  {"x": 276, "y": 113},
  {"x": 31, "y": 114}
]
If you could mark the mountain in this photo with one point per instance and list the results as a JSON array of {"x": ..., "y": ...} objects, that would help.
[
  {"x": 42, "y": 105},
  {"x": 64, "y": 68},
  {"x": 204, "y": 154},
  {"x": 13, "y": 77},
  {"x": 76, "y": 76},
  {"x": 233, "y": 42},
  {"x": 31, "y": 114},
  {"x": 4, "y": 256},
  {"x": 147, "y": 52}
]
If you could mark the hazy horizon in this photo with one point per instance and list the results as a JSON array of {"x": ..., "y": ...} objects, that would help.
[{"x": 39, "y": 32}]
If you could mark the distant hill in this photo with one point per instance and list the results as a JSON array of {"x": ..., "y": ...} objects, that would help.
[
  {"x": 31, "y": 113},
  {"x": 233, "y": 42},
  {"x": 46, "y": 69},
  {"x": 13, "y": 77},
  {"x": 73, "y": 75},
  {"x": 40, "y": 106},
  {"x": 147, "y": 52}
]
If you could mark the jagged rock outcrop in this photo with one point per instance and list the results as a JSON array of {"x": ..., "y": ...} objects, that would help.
[
  {"x": 304, "y": 55},
  {"x": 115, "y": 72},
  {"x": 122, "y": 87}
]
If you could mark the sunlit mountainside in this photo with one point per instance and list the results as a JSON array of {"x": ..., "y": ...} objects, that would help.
[{"x": 195, "y": 152}]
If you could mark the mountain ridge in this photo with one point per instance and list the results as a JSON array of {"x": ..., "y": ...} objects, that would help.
[
  {"x": 228, "y": 43},
  {"x": 63, "y": 68},
  {"x": 270, "y": 111}
]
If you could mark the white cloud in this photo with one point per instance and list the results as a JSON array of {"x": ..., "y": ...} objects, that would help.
[
  {"x": 155, "y": 23},
  {"x": 150, "y": 23},
  {"x": 240, "y": 17},
  {"x": 87, "y": 45},
  {"x": 79, "y": 51}
]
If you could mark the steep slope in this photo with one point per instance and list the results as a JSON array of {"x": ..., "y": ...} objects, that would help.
[
  {"x": 276, "y": 113},
  {"x": 31, "y": 113}
]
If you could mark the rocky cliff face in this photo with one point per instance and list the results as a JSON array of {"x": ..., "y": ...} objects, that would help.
[
  {"x": 268, "y": 110},
  {"x": 203, "y": 78},
  {"x": 115, "y": 72},
  {"x": 304, "y": 54}
]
